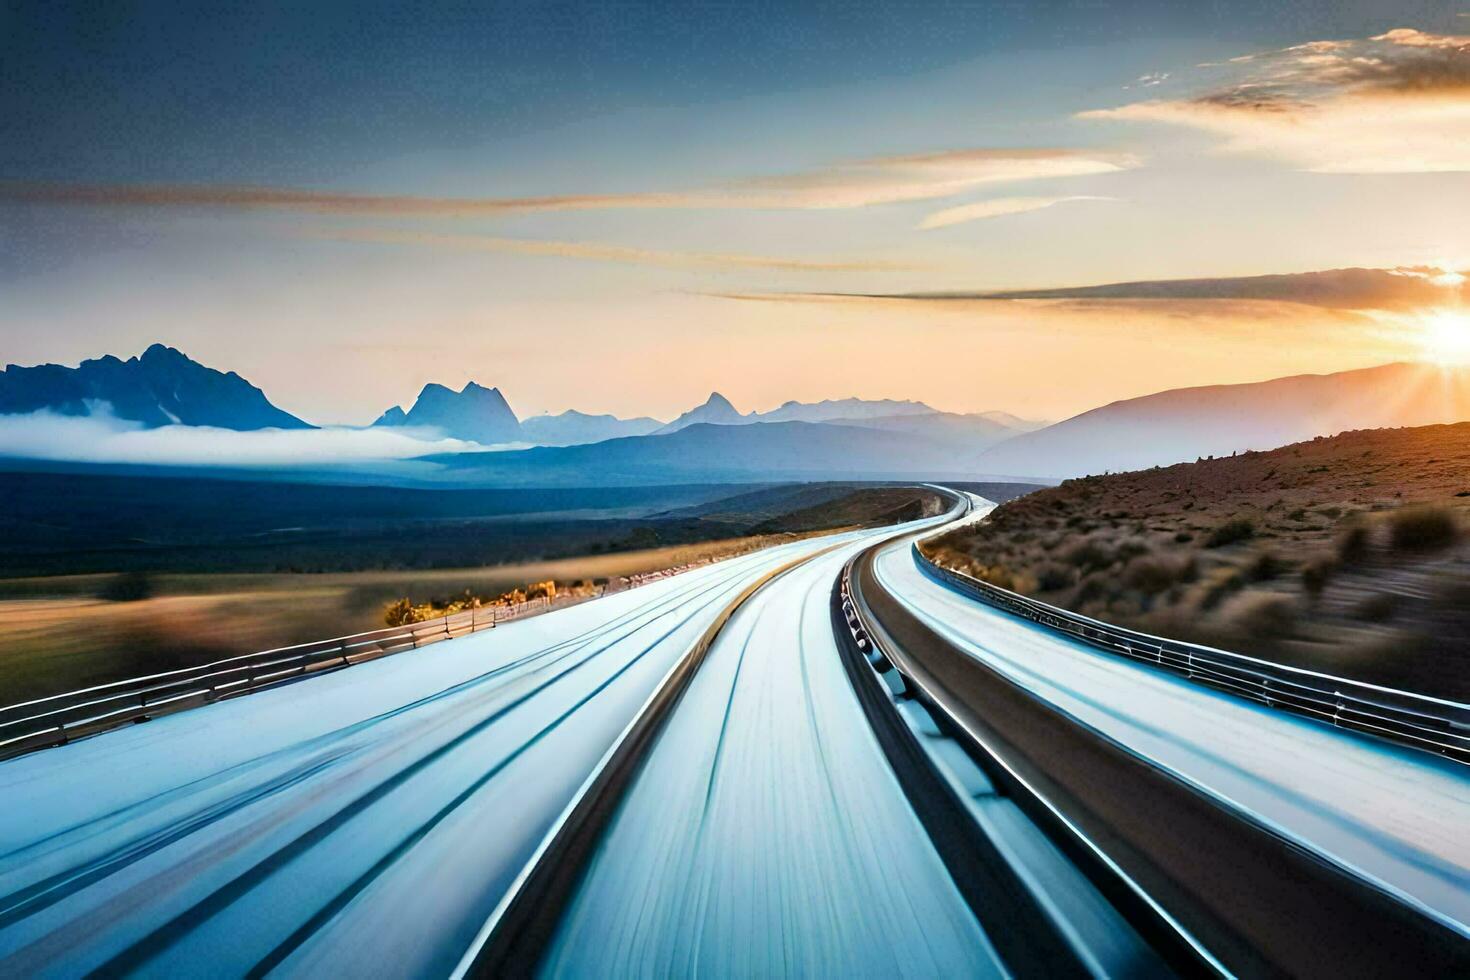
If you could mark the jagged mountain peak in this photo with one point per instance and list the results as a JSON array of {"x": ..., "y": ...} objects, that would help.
[
  {"x": 474, "y": 413},
  {"x": 163, "y": 386}
]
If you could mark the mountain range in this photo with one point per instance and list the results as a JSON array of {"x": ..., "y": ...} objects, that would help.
[
  {"x": 718, "y": 411},
  {"x": 715, "y": 442},
  {"x": 482, "y": 415},
  {"x": 161, "y": 387},
  {"x": 165, "y": 387}
]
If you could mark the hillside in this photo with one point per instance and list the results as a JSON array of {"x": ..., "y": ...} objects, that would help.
[
  {"x": 1345, "y": 554},
  {"x": 707, "y": 453},
  {"x": 1188, "y": 423}
]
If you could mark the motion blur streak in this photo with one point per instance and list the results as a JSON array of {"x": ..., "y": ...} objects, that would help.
[
  {"x": 370, "y": 816},
  {"x": 767, "y": 835}
]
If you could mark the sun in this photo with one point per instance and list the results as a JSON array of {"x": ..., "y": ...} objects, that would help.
[{"x": 1444, "y": 337}]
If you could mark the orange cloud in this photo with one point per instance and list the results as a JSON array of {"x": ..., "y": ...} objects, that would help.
[
  {"x": 1344, "y": 290},
  {"x": 997, "y": 207},
  {"x": 1398, "y": 102}
]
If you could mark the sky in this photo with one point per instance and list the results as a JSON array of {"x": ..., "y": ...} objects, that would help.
[{"x": 624, "y": 206}]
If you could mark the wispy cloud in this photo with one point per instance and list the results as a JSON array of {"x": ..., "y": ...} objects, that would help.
[
  {"x": 1398, "y": 102},
  {"x": 852, "y": 184},
  {"x": 1402, "y": 288},
  {"x": 998, "y": 206},
  {"x": 106, "y": 439},
  {"x": 886, "y": 180},
  {"x": 600, "y": 251}
]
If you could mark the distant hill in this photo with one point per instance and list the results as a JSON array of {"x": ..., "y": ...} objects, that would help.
[
  {"x": 475, "y": 413},
  {"x": 573, "y": 428},
  {"x": 842, "y": 408},
  {"x": 967, "y": 433},
  {"x": 706, "y": 453},
  {"x": 1187, "y": 423},
  {"x": 162, "y": 387},
  {"x": 716, "y": 410},
  {"x": 1013, "y": 421}
]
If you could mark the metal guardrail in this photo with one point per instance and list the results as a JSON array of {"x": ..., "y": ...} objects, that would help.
[
  {"x": 61, "y": 718},
  {"x": 1416, "y": 720}
]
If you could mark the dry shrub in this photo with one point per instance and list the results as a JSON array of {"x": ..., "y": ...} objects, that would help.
[
  {"x": 1088, "y": 555},
  {"x": 1150, "y": 575},
  {"x": 1353, "y": 543},
  {"x": 1422, "y": 527},
  {"x": 1316, "y": 574},
  {"x": 1266, "y": 617},
  {"x": 1225, "y": 584},
  {"x": 1264, "y": 567},
  {"x": 1230, "y": 532},
  {"x": 1053, "y": 577}
]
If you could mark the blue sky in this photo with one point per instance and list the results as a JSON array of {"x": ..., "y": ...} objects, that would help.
[{"x": 716, "y": 156}]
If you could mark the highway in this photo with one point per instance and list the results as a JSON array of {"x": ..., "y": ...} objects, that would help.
[
  {"x": 744, "y": 803},
  {"x": 766, "y": 834},
  {"x": 369, "y": 816}
]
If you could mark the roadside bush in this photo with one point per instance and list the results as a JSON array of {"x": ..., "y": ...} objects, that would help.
[
  {"x": 1420, "y": 528},
  {"x": 1002, "y": 577},
  {"x": 1271, "y": 617},
  {"x": 399, "y": 613},
  {"x": 537, "y": 590},
  {"x": 1353, "y": 543},
  {"x": 1088, "y": 556},
  {"x": 1215, "y": 593},
  {"x": 1264, "y": 567},
  {"x": 1053, "y": 577},
  {"x": 1230, "y": 532},
  {"x": 127, "y": 587},
  {"x": 1150, "y": 576},
  {"x": 1131, "y": 549},
  {"x": 1093, "y": 587},
  {"x": 1316, "y": 574}
]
